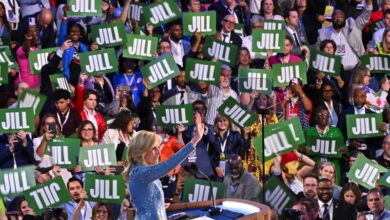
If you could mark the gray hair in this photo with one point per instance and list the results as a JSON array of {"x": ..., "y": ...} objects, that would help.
[{"x": 226, "y": 67}]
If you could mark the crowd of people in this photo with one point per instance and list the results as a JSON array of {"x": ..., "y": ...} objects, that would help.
[{"x": 119, "y": 109}]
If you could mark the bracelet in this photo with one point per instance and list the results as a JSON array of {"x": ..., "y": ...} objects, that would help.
[{"x": 27, "y": 37}]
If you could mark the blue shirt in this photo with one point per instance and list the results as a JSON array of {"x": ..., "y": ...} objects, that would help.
[
  {"x": 145, "y": 187},
  {"x": 134, "y": 82}
]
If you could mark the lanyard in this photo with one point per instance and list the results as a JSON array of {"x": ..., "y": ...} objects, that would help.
[
  {"x": 330, "y": 108},
  {"x": 66, "y": 119},
  {"x": 131, "y": 81},
  {"x": 223, "y": 144}
]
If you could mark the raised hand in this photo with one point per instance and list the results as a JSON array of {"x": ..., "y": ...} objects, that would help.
[{"x": 199, "y": 129}]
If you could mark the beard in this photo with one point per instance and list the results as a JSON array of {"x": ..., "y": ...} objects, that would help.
[{"x": 339, "y": 26}]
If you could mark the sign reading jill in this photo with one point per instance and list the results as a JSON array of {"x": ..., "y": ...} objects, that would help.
[
  {"x": 220, "y": 50},
  {"x": 160, "y": 70},
  {"x": 99, "y": 62},
  {"x": 140, "y": 47},
  {"x": 109, "y": 35},
  {"x": 237, "y": 114},
  {"x": 322, "y": 146},
  {"x": 365, "y": 172},
  {"x": 196, "y": 190},
  {"x": 202, "y": 70},
  {"x": 16, "y": 119},
  {"x": 85, "y": 8},
  {"x": 171, "y": 115},
  {"x": 277, "y": 195},
  {"x": 283, "y": 73},
  {"x": 30, "y": 99},
  {"x": 136, "y": 12},
  {"x": 14, "y": 182},
  {"x": 58, "y": 81},
  {"x": 326, "y": 63},
  {"x": 274, "y": 24},
  {"x": 364, "y": 126},
  {"x": 52, "y": 193},
  {"x": 101, "y": 156},
  {"x": 6, "y": 57},
  {"x": 64, "y": 151},
  {"x": 376, "y": 63},
  {"x": 203, "y": 22},
  {"x": 255, "y": 79},
  {"x": 161, "y": 12},
  {"x": 105, "y": 189},
  {"x": 264, "y": 40},
  {"x": 38, "y": 58}
]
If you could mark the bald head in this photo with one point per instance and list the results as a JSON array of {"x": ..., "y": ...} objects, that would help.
[
  {"x": 46, "y": 17},
  {"x": 236, "y": 166}
]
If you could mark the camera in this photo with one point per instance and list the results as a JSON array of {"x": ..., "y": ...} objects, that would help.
[
  {"x": 52, "y": 128},
  {"x": 291, "y": 214}
]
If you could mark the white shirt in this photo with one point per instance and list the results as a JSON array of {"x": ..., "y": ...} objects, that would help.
[
  {"x": 377, "y": 37},
  {"x": 178, "y": 96},
  {"x": 348, "y": 57},
  {"x": 177, "y": 51},
  {"x": 361, "y": 111},
  {"x": 330, "y": 208},
  {"x": 292, "y": 32}
]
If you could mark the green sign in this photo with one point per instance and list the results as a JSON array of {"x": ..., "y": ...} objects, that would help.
[
  {"x": 278, "y": 139},
  {"x": 58, "y": 81},
  {"x": 264, "y": 40},
  {"x": 140, "y": 47},
  {"x": 202, "y": 71},
  {"x": 52, "y": 193},
  {"x": 3, "y": 73},
  {"x": 16, "y": 119},
  {"x": 13, "y": 182},
  {"x": 105, "y": 189},
  {"x": 295, "y": 127},
  {"x": 109, "y": 35},
  {"x": 376, "y": 63},
  {"x": 136, "y": 12},
  {"x": 64, "y": 151},
  {"x": 365, "y": 172},
  {"x": 160, "y": 70},
  {"x": 270, "y": 24},
  {"x": 101, "y": 156},
  {"x": 283, "y": 73},
  {"x": 387, "y": 202},
  {"x": 220, "y": 50},
  {"x": 236, "y": 113},
  {"x": 31, "y": 99},
  {"x": 375, "y": 26},
  {"x": 255, "y": 79},
  {"x": 325, "y": 146},
  {"x": 161, "y": 12},
  {"x": 203, "y": 22},
  {"x": 364, "y": 126},
  {"x": 196, "y": 190},
  {"x": 38, "y": 58},
  {"x": 171, "y": 115},
  {"x": 325, "y": 63},
  {"x": 84, "y": 8},
  {"x": 239, "y": 29},
  {"x": 7, "y": 57},
  {"x": 99, "y": 62},
  {"x": 385, "y": 180},
  {"x": 278, "y": 196}
]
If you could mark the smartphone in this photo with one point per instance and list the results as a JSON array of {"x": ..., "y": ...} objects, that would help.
[
  {"x": 52, "y": 127},
  {"x": 31, "y": 21},
  {"x": 118, "y": 169}
]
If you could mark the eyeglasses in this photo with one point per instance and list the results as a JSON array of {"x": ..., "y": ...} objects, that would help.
[
  {"x": 229, "y": 22},
  {"x": 87, "y": 129}
]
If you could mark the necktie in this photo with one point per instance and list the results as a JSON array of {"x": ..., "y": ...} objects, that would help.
[
  {"x": 325, "y": 215},
  {"x": 296, "y": 39},
  {"x": 181, "y": 97},
  {"x": 224, "y": 37}
]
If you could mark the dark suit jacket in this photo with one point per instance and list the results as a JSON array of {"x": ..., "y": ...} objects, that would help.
[
  {"x": 302, "y": 38},
  {"x": 222, "y": 12},
  {"x": 343, "y": 121},
  {"x": 235, "y": 39},
  {"x": 145, "y": 113},
  {"x": 343, "y": 211}
]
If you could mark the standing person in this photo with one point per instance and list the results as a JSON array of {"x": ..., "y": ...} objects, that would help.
[
  {"x": 376, "y": 204},
  {"x": 77, "y": 193},
  {"x": 330, "y": 208},
  {"x": 143, "y": 171}
]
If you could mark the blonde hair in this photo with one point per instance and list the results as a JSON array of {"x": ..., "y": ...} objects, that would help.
[
  {"x": 142, "y": 143},
  {"x": 329, "y": 164}
]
